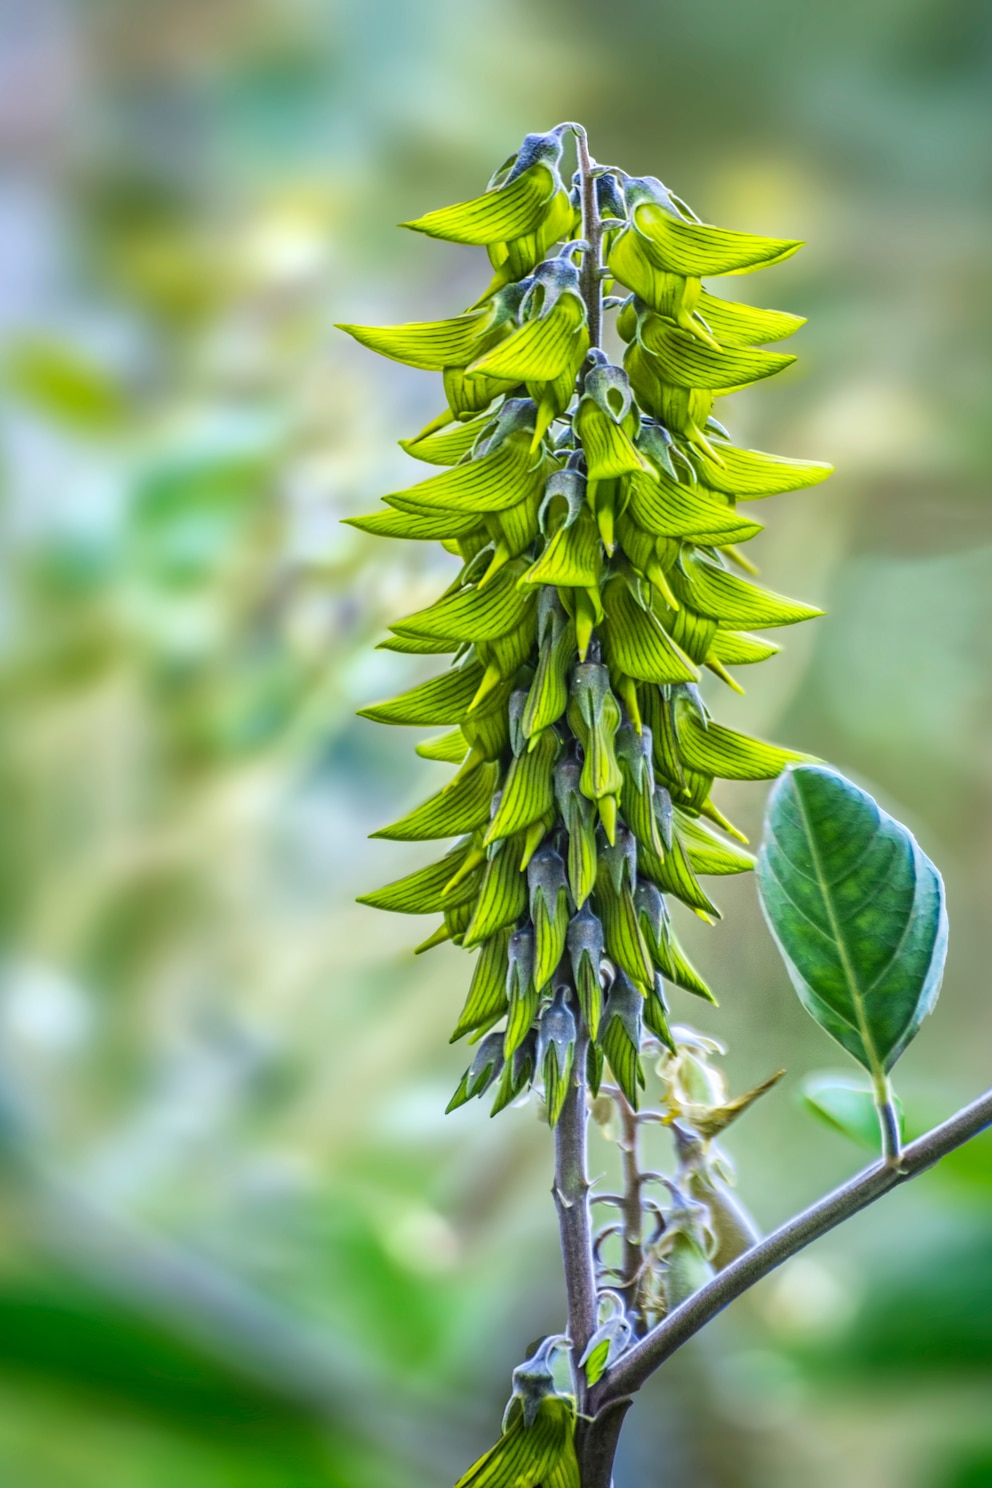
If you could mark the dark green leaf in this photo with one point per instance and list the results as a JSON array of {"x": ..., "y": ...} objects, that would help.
[{"x": 857, "y": 911}]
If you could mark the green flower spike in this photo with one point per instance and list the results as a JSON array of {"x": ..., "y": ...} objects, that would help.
[
  {"x": 596, "y": 515},
  {"x": 595, "y": 520}
]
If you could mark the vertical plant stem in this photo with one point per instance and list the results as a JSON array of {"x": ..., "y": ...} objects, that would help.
[
  {"x": 599, "y": 1444},
  {"x": 592, "y": 231},
  {"x": 571, "y": 1195},
  {"x": 632, "y": 1215},
  {"x": 596, "y": 1441}
]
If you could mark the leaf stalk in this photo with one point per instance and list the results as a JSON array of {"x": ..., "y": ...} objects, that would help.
[{"x": 888, "y": 1121}]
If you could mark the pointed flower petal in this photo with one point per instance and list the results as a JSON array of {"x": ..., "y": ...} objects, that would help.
[
  {"x": 694, "y": 248},
  {"x": 506, "y": 212}
]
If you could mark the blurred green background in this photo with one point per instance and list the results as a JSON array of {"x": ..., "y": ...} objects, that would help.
[{"x": 240, "y": 1246}]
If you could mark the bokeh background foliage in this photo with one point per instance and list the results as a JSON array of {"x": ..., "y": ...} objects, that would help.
[{"x": 222, "y": 1259}]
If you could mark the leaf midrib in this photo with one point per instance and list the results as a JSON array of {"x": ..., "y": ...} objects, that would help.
[{"x": 848, "y": 969}]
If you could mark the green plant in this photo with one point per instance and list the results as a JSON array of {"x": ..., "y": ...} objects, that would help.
[{"x": 597, "y": 514}]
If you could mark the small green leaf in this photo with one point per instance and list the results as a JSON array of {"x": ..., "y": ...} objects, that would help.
[
  {"x": 625, "y": 944},
  {"x": 503, "y": 894},
  {"x": 682, "y": 410},
  {"x": 707, "y": 853},
  {"x": 695, "y": 633},
  {"x": 484, "y": 1069},
  {"x": 419, "y": 645},
  {"x": 579, "y": 818},
  {"x": 487, "y": 726},
  {"x": 548, "y": 898},
  {"x": 518, "y": 1072},
  {"x": 572, "y": 559},
  {"x": 594, "y": 716},
  {"x": 672, "y": 295},
  {"x": 556, "y": 1053},
  {"x": 656, "y": 1014},
  {"x": 515, "y": 259},
  {"x": 846, "y": 1106},
  {"x": 857, "y": 911},
  {"x": 676, "y": 875},
  {"x": 539, "y": 1456},
  {"x": 620, "y": 1036},
  {"x": 471, "y": 394},
  {"x": 548, "y": 695},
  {"x": 608, "y": 448},
  {"x": 734, "y": 648},
  {"x": 652, "y": 915},
  {"x": 586, "y": 948},
  {"x": 595, "y": 1361},
  {"x": 520, "y": 990},
  {"x": 634, "y": 751},
  {"x": 679, "y": 970}
]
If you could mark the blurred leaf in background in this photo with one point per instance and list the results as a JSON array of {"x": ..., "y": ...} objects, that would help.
[{"x": 218, "y": 1260}]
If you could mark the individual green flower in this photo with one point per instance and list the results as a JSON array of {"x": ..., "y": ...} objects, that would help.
[{"x": 537, "y": 1447}]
